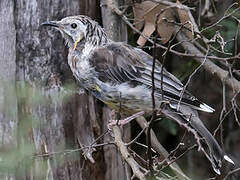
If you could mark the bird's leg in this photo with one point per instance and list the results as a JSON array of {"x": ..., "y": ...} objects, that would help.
[{"x": 122, "y": 122}]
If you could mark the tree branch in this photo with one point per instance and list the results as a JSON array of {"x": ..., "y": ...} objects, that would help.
[
  {"x": 208, "y": 65},
  {"x": 161, "y": 150},
  {"x": 125, "y": 154}
]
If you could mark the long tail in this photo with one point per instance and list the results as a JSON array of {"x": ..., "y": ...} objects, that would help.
[{"x": 188, "y": 117}]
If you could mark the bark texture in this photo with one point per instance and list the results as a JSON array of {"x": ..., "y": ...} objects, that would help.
[
  {"x": 116, "y": 30},
  {"x": 8, "y": 103},
  {"x": 40, "y": 111}
]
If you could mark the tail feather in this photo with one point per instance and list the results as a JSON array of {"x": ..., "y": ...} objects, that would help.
[{"x": 188, "y": 117}]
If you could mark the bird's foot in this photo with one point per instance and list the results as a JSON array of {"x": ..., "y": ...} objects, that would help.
[{"x": 124, "y": 121}]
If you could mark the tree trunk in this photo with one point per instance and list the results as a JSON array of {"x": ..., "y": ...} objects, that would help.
[
  {"x": 43, "y": 119},
  {"x": 8, "y": 103},
  {"x": 116, "y": 30}
]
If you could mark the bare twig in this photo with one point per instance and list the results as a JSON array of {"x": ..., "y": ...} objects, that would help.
[
  {"x": 199, "y": 13},
  {"x": 135, "y": 139},
  {"x": 222, "y": 119},
  {"x": 235, "y": 107},
  {"x": 208, "y": 65},
  {"x": 190, "y": 148},
  {"x": 164, "y": 59},
  {"x": 206, "y": 8},
  {"x": 171, "y": 4},
  {"x": 173, "y": 152},
  {"x": 69, "y": 151},
  {"x": 135, "y": 155},
  {"x": 160, "y": 149},
  {"x": 224, "y": 110},
  {"x": 224, "y": 16},
  {"x": 231, "y": 173},
  {"x": 143, "y": 145},
  {"x": 126, "y": 155},
  {"x": 149, "y": 151},
  {"x": 189, "y": 79}
]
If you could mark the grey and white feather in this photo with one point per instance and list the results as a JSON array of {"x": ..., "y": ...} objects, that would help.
[{"x": 116, "y": 72}]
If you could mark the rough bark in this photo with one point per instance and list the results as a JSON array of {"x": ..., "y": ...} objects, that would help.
[
  {"x": 60, "y": 124},
  {"x": 51, "y": 118},
  {"x": 117, "y": 31},
  {"x": 114, "y": 26},
  {"x": 8, "y": 105}
]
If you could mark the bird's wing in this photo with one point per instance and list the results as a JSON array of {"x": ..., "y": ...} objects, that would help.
[
  {"x": 116, "y": 64},
  {"x": 119, "y": 62}
]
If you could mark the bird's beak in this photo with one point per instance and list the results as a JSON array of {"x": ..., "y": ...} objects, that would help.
[{"x": 51, "y": 23}]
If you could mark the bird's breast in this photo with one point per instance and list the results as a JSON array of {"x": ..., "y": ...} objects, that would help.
[{"x": 81, "y": 69}]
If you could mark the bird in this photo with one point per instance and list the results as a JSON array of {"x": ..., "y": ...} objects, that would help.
[{"x": 119, "y": 75}]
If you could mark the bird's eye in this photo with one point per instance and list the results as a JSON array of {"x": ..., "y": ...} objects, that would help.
[{"x": 74, "y": 25}]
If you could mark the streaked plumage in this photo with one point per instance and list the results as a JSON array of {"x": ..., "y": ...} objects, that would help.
[{"x": 115, "y": 72}]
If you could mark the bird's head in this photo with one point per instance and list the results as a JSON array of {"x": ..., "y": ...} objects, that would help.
[{"x": 78, "y": 30}]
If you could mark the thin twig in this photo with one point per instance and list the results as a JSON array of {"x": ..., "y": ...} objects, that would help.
[
  {"x": 224, "y": 16},
  {"x": 149, "y": 151},
  {"x": 69, "y": 151},
  {"x": 134, "y": 154},
  {"x": 171, "y": 4},
  {"x": 224, "y": 110},
  {"x": 160, "y": 149},
  {"x": 235, "y": 107},
  {"x": 173, "y": 152},
  {"x": 125, "y": 154},
  {"x": 231, "y": 173},
  {"x": 135, "y": 139},
  {"x": 181, "y": 155},
  {"x": 208, "y": 65},
  {"x": 189, "y": 79},
  {"x": 219, "y": 125}
]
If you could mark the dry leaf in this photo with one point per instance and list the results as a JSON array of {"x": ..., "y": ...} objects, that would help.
[
  {"x": 146, "y": 13},
  {"x": 185, "y": 19},
  {"x": 138, "y": 10},
  {"x": 149, "y": 22},
  {"x": 165, "y": 29},
  {"x": 149, "y": 28}
]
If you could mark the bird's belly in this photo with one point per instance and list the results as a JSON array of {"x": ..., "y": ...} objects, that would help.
[{"x": 127, "y": 98}]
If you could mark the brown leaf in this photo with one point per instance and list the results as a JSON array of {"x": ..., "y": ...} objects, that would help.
[
  {"x": 149, "y": 28},
  {"x": 151, "y": 14},
  {"x": 165, "y": 29},
  {"x": 146, "y": 13},
  {"x": 185, "y": 19},
  {"x": 139, "y": 10},
  {"x": 149, "y": 22}
]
